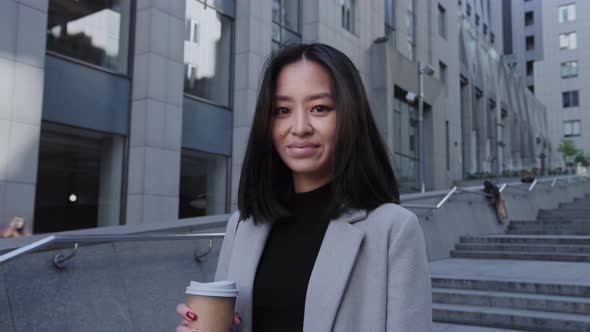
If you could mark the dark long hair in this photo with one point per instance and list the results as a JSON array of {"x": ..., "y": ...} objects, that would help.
[{"x": 363, "y": 175}]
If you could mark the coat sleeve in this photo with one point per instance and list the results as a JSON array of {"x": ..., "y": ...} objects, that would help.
[
  {"x": 226, "y": 247},
  {"x": 409, "y": 290}
]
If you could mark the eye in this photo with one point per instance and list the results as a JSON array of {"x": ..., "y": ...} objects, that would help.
[
  {"x": 321, "y": 108},
  {"x": 280, "y": 111}
]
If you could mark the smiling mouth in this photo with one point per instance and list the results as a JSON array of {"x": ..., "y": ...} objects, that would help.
[{"x": 302, "y": 151}]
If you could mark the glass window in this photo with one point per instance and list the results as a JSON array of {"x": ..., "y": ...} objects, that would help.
[
  {"x": 78, "y": 179},
  {"x": 203, "y": 184},
  {"x": 442, "y": 71},
  {"x": 348, "y": 13},
  {"x": 93, "y": 31},
  {"x": 530, "y": 68},
  {"x": 285, "y": 26},
  {"x": 207, "y": 53},
  {"x": 405, "y": 127},
  {"x": 570, "y": 99},
  {"x": 290, "y": 14},
  {"x": 569, "y": 69},
  {"x": 390, "y": 13},
  {"x": 529, "y": 18},
  {"x": 530, "y": 43},
  {"x": 442, "y": 21},
  {"x": 411, "y": 27},
  {"x": 571, "y": 128},
  {"x": 568, "y": 41},
  {"x": 567, "y": 13},
  {"x": 390, "y": 22}
]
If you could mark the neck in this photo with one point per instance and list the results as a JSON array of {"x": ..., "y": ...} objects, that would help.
[{"x": 303, "y": 183}]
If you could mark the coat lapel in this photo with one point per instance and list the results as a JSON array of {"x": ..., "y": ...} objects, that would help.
[
  {"x": 331, "y": 271},
  {"x": 247, "y": 250}
]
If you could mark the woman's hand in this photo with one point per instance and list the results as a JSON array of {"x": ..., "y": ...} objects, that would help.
[{"x": 187, "y": 315}]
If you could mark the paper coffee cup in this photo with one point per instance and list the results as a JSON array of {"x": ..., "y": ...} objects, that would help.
[{"x": 213, "y": 302}]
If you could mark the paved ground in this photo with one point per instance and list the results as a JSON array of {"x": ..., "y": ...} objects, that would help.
[{"x": 499, "y": 269}]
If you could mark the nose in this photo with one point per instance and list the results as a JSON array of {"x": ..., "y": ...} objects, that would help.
[{"x": 301, "y": 125}]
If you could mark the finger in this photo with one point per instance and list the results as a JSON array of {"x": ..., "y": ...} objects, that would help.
[
  {"x": 185, "y": 312},
  {"x": 237, "y": 319},
  {"x": 183, "y": 328}
]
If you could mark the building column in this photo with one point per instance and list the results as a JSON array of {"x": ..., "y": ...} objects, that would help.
[
  {"x": 253, "y": 38},
  {"x": 156, "y": 112},
  {"x": 23, "y": 25}
]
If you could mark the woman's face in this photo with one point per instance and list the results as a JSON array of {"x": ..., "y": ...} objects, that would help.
[{"x": 304, "y": 121}]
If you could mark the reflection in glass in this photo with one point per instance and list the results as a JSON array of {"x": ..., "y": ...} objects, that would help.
[
  {"x": 569, "y": 69},
  {"x": 567, "y": 13},
  {"x": 78, "y": 179},
  {"x": 405, "y": 128},
  {"x": 203, "y": 182},
  {"x": 93, "y": 31},
  {"x": 207, "y": 53},
  {"x": 568, "y": 41},
  {"x": 290, "y": 15},
  {"x": 348, "y": 13},
  {"x": 285, "y": 23}
]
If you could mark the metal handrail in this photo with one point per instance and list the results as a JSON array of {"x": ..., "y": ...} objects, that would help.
[
  {"x": 52, "y": 239},
  {"x": 60, "y": 259},
  {"x": 437, "y": 206},
  {"x": 474, "y": 192},
  {"x": 503, "y": 187}
]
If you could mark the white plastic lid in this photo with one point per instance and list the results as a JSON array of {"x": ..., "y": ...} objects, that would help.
[{"x": 225, "y": 288}]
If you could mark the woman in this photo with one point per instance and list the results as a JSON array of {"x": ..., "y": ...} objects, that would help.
[{"x": 319, "y": 242}]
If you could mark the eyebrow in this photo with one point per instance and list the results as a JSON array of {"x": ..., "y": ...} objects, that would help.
[{"x": 308, "y": 98}]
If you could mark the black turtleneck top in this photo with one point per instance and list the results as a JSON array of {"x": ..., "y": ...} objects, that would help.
[{"x": 284, "y": 269}]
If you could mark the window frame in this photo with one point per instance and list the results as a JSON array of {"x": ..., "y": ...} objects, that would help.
[
  {"x": 351, "y": 19},
  {"x": 529, "y": 20},
  {"x": 571, "y": 124},
  {"x": 569, "y": 97},
  {"x": 568, "y": 39},
  {"x": 567, "y": 8},
  {"x": 564, "y": 65},
  {"x": 281, "y": 42},
  {"x": 230, "y": 103},
  {"x": 128, "y": 72}
]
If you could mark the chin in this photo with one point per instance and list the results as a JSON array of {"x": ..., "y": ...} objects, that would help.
[{"x": 302, "y": 167}]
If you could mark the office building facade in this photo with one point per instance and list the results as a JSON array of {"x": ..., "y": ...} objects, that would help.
[
  {"x": 560, "y": 81},
  {"x": 128, "y": 112}
]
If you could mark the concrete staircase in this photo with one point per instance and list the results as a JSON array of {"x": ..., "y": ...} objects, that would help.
[
  {"x": 513, "y": 304},
  {"x": 534, "y": 278},
  {"x": 562, "y": 234}
]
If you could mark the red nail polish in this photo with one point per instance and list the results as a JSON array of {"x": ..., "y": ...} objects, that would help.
[{"x": 190, "y": 315}]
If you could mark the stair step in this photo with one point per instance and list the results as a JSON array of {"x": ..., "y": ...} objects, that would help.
[
  {"x": 510, "y": 318},
  {"x": 557, "y": 222},
  {"x": 540, "y": 239},
  {"x": 565, "y": 248},
  {"x": 547, "y": 232},
  {"x": 445, "y": 327},
  {"x": 510, "y": 285},
  {"x": 550, "y": 303},
  {"x": 542, "y": 256}
]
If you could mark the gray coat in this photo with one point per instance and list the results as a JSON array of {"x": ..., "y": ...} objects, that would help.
[{"x": 371, "y": 273}]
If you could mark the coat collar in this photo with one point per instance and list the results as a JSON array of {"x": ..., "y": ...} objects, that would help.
[
  {"x": 331, "y": 270},
  {"x": 329, "y": 276}
]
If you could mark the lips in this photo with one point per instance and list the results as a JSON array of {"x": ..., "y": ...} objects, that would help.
[{"x": 301, "y": 150}]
